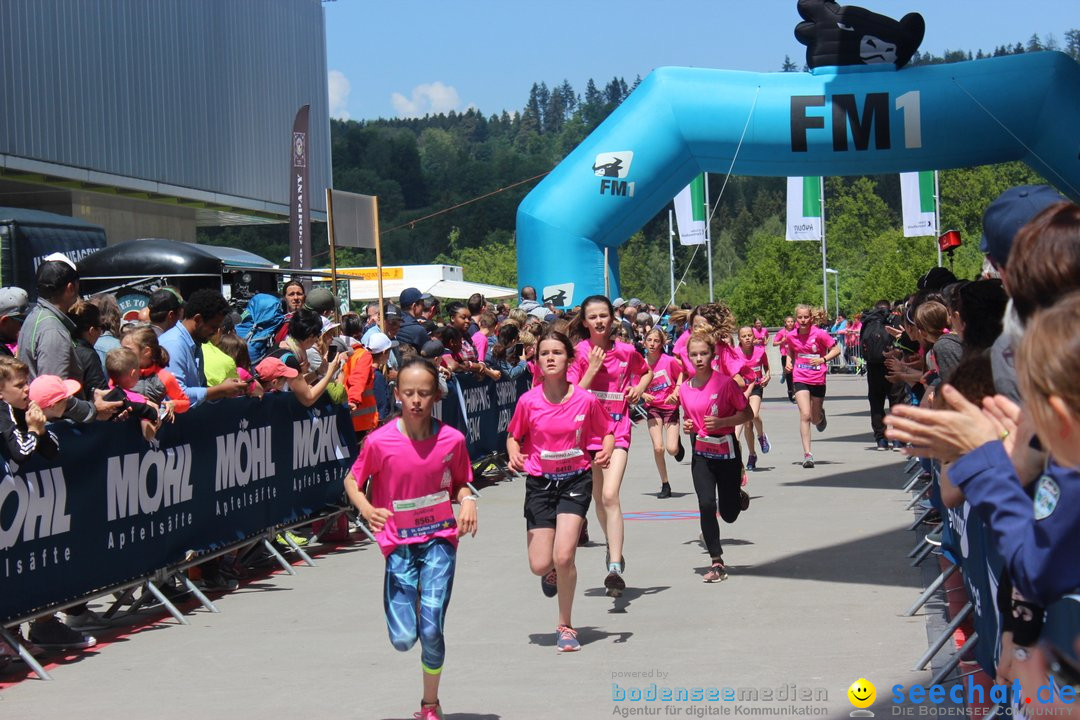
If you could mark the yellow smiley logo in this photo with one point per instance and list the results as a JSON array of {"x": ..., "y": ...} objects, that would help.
[{"x": 862, "y": 693}]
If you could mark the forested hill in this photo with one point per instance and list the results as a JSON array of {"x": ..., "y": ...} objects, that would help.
[{"x": 449, "y": 186}]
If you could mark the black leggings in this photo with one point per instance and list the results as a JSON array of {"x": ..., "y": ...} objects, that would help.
[{"x": 717, "y": 484}]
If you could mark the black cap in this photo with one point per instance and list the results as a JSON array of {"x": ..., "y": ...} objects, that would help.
[
  {"x": 409, "y": 297},
  {"x": 432, "y": 349}
]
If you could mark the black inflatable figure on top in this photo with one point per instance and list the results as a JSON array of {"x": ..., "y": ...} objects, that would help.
[{"x": 847, "y": 35}]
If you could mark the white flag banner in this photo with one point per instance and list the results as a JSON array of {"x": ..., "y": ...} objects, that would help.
[
  {"x": 690, "y": 212},
  {"x": 804, "y": 208},
  {"x": 917, "y": 197}
]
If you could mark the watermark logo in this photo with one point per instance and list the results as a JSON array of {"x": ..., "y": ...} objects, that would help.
[{"x": 862, "y": 694}]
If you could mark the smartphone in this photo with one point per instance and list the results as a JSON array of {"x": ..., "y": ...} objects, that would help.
[
  {"x": 331, "y": 353},
  {"x": 519, "y": 349}
]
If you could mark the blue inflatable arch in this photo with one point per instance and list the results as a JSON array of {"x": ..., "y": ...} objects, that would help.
[{"x": 857, "y": 120}]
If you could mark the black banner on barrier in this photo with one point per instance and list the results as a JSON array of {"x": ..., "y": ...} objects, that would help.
[
  {"x": 116, "y": 508},
  {"x": 980, "y": 566},
  {"x": 482, "y": 410}
]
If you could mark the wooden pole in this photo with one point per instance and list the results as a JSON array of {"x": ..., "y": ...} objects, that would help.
[
  {"x": 333, "y": 256},
  {"x": 378, "y": 264}
]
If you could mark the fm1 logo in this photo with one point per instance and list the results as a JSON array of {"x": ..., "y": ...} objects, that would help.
[
  {"x": 872, "y": 120},
  {"x": 613, "y": 167}
]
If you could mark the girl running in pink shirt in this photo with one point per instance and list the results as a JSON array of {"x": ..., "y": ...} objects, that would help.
[
  {"x": 604, "y": 367},
  {"x": 750, "y": 362},
  {"x": 778, "y": 341},
  {"x": 550, "y": 439},
  {"x": 809, "y": 350},
  {"x": 416, "y": 465},
  {"x": 761, "y": 333},
  {"x": 714, "y": 407},
  {"x": 662, "y": 404}
]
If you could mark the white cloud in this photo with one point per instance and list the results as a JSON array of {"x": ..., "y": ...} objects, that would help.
[
  {"x": 339, "y": 95},
  {"x": 428, "y": 98}
]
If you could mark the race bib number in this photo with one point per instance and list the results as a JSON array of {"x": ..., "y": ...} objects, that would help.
[
  {"x": 613, "y": 402},
  {"x": 423, "y": 515},
  {"x": 561, "y": 464},
  {"x": 802, "y": 361},
  {"x": 660, "y": 383},
  {"x": 715, "y": 448}
]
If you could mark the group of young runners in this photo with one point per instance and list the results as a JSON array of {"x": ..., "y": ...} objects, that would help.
[{"x": 570, "y": 436}]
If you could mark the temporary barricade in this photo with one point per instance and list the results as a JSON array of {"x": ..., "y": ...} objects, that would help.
[{"x": 113, "y": 508}]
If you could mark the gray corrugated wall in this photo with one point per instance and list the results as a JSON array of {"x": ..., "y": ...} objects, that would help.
[{"x": 196, "y": 93}]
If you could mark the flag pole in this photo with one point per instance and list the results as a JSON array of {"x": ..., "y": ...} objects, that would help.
[
  {"x": 378, "y": 262},
  {"x": 824, "y": 263},
  {"x": 333, "y": 255},
  {"x": 708, "y": 236},
  {"x": 607, "y": 275},
  {"x": 671, "y": 254},
  {"x": 937, "y": 215}
]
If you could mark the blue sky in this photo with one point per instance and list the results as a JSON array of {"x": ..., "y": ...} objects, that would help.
[{"x": 398, "y": 58}]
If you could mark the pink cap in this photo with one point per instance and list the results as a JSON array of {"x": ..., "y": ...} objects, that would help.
[
  {"x": 47, "y": 390},
  {"x": 272, "y": 368}
]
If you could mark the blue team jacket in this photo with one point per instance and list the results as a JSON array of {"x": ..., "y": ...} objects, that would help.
[{"x": 1037, "y": 538}]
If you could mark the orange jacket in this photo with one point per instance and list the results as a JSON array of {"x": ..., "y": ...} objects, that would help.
[{"x": 359, "y": 374}]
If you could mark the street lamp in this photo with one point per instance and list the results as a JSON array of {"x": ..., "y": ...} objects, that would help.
[{"x": 836, "y": 288}]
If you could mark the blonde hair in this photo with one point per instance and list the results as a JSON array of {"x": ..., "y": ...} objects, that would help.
[
  {"x": 705, "y": 337},
  {"x": 661, "y": 333},
  {"x": 1046, "y": 374},
  {"x": 932, "y": 318},
  {"x": 526, "y": 338}
]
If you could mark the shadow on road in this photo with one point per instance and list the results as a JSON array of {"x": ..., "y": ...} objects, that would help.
[
  {"x": 586, "y": 635},
  {"x": 888, "y": 477}
]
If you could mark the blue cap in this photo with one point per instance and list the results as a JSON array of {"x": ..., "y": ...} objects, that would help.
[
  {"x": 1009, "y": 212},
  {"x": 409, "y": 297}
]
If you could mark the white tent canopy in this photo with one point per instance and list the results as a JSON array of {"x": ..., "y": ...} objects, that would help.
[{"x": 442, "y": 281}]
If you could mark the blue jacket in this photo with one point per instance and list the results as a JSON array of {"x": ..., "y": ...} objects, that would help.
[
  {"x": 412, "y": 333},
  {"x": 1038, "y": 539}
]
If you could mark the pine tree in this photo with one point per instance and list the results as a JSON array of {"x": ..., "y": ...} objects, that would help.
[{"x": 789, "y": 65}]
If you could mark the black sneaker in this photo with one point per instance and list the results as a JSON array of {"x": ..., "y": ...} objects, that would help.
[
  {"x": 744, "y": 500},
  {"x": 681, "y": 452},
  {"x": 614, "y": 584},
  {"x": 883, "y": 444},
  {"x": 53, "y": 634},
  {"x": 665, "y": 491},
  {"x": 549, "y": 584},
  {"x": 824, "y": 422}
]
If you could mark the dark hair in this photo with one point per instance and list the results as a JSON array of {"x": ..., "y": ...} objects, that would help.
[
  {"x": 285, "y": 289},
  {"x": 883, "y": 305},
  {"x": 53, "y": 276},
  {"x": 973, "y": 376},
  {"x": 559, "y": 337},
  {"x": 1044, "y": 263},
  {"x": 144, "y": 336},
  {"x": 422, "y": 363},
  {"x": 486, "y": 320},
  {"x": 120, "y": 361},
  {"x": 351, "y": 324},
  {"x": 982, "y": 308},
  {"x": 232, "y": 345},
  {"x": 305, "y": 323},
  {"x": 508, "y": 335},
  {"x": 528, "y": 293},
  {"x": 476, "y": 303},
  {"x": 454, "y": 308},
  {"x": 85, "y": 315},
  {"x": 110, "y": 312},
  {"x": 207, "y": 303},
  {"x": 448, "y": 334},
  {"x": 577, "y": 328},
  {"x": 162, "y": 302}
]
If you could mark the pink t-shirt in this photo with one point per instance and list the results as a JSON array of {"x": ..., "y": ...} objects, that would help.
[
  {"x": 761, "y": 335},
  {"x": 666, "y": 373},
  {"x": 621, "y": 363},
  {"x": 480, "y": 342},
  {"x": 719, "y": 397},
  {"x": 679, "y": 350},
  {"x": 780, "y": 336},
  {"x": 802, "y": 348},
  {"x": 402, "y": 470},
  {"x": 534, "y": 368},
  {"x": 555, "y": 437},
  {"x": 751, "y": 367}
]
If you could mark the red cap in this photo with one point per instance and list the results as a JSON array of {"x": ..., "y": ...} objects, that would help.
[
  {"x": 272, "y": 368},
  {"x": 47, "y": 390}
]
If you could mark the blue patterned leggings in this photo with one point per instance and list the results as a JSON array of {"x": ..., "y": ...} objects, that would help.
[{"x": 423, "y": 571}]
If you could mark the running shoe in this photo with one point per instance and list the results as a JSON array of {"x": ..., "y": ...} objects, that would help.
[
  {"x": 665, "y": 491},
  {"x": 53, "y": 634},
  {"x": 808, "y": 461},
  {"x": 716, "y": 573},
  {"x": 429, "y": 712},
  {"x": 681, "y": 452},
  {"x": 883, "y": 444},
  {"x": 614, "y": 584},
  {"x": 897, "y": 445},
  {"x": 618, "y": 567},
  {"x": 565, "y": 639},
  {"x": 824, "y": 422},
  {"x": 751, "y": 462},
  {"x": 744, "y": 500},
  {"x": 765, "y": 446},
  {"x": 549, "y": 584}
]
